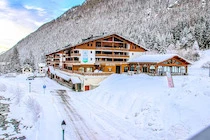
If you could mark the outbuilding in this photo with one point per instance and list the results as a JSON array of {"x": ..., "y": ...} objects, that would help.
[
  {"x": 160, "y": 64},
  {"x": 27, "y": 69}
]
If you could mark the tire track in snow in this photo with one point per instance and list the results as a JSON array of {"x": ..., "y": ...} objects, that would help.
[
  {"x": 113, "y": 122},
  {"x": 82, "y": 131}
]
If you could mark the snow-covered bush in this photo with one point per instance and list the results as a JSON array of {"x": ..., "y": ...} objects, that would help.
[
  {"x": 18, "y": 95},
  {"x": 3, "y": 87},
  {"x": 206, "y": 65},
  {"x": 34, "y": 108}
]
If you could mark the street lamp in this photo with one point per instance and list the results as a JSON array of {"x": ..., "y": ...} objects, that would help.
[{"x": 63, "y": 126}]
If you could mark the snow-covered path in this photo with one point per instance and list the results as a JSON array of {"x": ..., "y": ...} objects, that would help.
[{"x": 85, "y": 119}]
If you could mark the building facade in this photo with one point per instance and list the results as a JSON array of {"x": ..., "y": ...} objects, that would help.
[
  {"x": 97, "y": 57},
  {"x": 160, "y": 64},
  {"x": 107, "y": 54}
]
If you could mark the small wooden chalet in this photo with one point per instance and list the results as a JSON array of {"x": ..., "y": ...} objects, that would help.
[
  {"x": 27, "y": 69},
  {"x": 160, "y": 64},
  {"x": 59, "y": 76}
]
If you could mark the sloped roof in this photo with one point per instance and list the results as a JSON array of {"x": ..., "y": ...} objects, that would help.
[
  {"x": 63, "y": 76},
  {"x": 51, "y": 69},
  {"x": 41, "y": 64},
  {"x": 100, "y": 37},
  {"x": 75, "y": 80},
  {"x": 156, "y": 58}
]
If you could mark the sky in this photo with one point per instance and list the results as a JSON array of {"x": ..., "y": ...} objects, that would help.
[{"x": 19, "y": 18}]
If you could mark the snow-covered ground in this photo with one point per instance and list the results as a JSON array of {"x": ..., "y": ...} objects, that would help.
[{"x": 122, "y": 107}]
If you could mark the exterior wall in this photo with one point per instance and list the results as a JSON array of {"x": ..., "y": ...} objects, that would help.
[
  {"x": 61, "y": 61},
  {"x": 26, "y": 70},
  {"x": 87, "y": 56},
  {"x": 91, "y": 81},
  {"x": 112, "y": 67},
  {"x": 135, "y": 54},
  {"x": 84, "y": 68}
]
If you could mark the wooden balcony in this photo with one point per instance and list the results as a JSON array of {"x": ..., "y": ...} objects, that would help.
[
  {"x": 109, "y": 62},
  {"x": 111, "y": 48},
  {"x": 71, "y": 61},
  {"x": 57, "y": 57},
  {"x": 112, "y": 56},
  {"x": 75, "y": 54}
]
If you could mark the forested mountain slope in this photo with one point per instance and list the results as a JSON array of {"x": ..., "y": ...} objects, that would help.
[{"x": 163, "y": 26}]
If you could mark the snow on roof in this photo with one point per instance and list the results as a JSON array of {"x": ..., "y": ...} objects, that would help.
[
  {"x": 52, "y": 69},
  {"x": 99, "y": 37},
  {"x": 75, "y": 80},
  {"x": 63, "y": 76},
  {"x": 155, "y": 58},
  {"x": 41, "y": 64}
]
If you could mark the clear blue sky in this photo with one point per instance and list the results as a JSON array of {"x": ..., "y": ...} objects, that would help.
[{"x": 18, "y": 18}]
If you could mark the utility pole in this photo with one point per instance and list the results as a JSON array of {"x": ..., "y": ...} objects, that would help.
[{"x": 29, "y": 87}]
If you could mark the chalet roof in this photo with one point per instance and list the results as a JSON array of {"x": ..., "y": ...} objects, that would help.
[
  {"x": 74, "y": 80},
  {"x": 51, "y": 69},
  {"x": 156, "y": 58},
  {"x": 41, "y": 64},
  {"x": 93, "y": 38},
  {"x": 26, "y": 66}
]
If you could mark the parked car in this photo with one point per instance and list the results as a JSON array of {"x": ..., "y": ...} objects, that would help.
[{"x": 30, "y": 78}]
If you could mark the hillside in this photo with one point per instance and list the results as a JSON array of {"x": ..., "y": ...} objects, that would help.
[{"x": 160, "y": 25}]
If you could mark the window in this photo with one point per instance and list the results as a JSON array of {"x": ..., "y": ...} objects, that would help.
[
  {"x": 126, "y": 69},
  {"x": 69, "y": 68},
  {"x": 90, "y": 51},
  {"x": 132, "y": 68},
  {"x": 91, "y": 59}
]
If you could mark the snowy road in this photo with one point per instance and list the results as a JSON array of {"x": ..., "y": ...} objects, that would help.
[
  {"x": 85, "y": 119},
  {"x": 78, "y": 125},
  {"x": 89, "y": 121}
]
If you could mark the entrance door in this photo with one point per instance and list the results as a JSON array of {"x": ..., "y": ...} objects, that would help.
[
  {"x": 118, "y": 68},
  {"x": 144, "y": 69},
  {"x": 87, "y": 88}
]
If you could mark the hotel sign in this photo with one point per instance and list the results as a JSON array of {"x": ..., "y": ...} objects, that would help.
[{"x": 85, "y": 56}]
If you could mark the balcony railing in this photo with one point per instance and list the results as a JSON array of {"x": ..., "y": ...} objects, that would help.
[
  {"x": 111, "y": 48},
  {"x": 57, "y": 57},
  {"x": 113, "y": 55},
  {"x": 75, "y": 54},
  {"x": 71, "y": 61},
  {"x": 101, "y": 61}
]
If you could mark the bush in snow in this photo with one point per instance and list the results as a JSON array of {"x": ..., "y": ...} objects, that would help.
[
  {"x": 206, "y": 65},
  {"x": 34, "y": 107},
  {"x": 18, "y": 95},
  {"x": 3, "y": 87}
]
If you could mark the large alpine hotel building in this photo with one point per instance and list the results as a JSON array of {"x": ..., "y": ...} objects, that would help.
[{"x": 107, "y": 54}]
